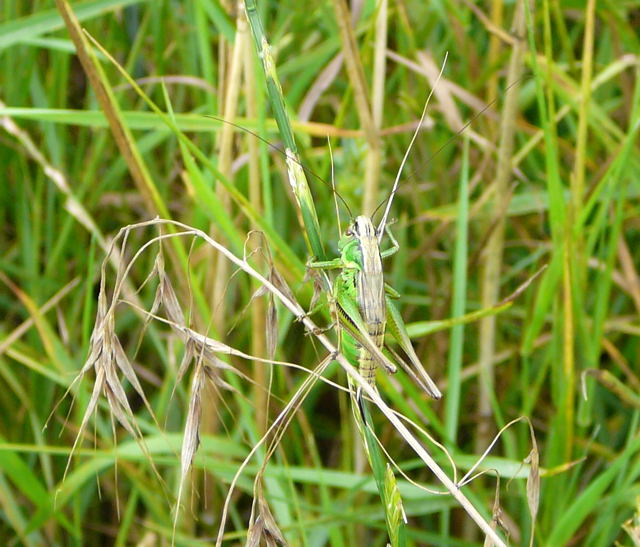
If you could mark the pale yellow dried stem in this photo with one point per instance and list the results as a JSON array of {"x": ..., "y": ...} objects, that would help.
[
  {"x": 495, "y": 243},
  {"x": 377, "y": 107},
  {"x": 357, "y": 79},
  {"x": 495, "y": 46},
  {"x": 225, "y": 157}
]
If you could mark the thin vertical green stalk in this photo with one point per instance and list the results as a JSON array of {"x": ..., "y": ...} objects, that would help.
[
  {"x": 205, "y": 58},
  {"x": 454, "y": 365},
  {"x": 557, "y": 213},
  {"x": 456, "y": 340},
  {"x": 567, "y": 408},
  {"x": 297, "y": 177},
  {"x": 561, "y": 30},
  {"x": 493, "y": 257},
  {"x": 576, "y": 267}
]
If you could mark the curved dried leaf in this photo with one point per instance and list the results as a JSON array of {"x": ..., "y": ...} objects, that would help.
[{"x": 264, "y": 527}]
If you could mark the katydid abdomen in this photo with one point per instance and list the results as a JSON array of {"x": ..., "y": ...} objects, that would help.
[{"x": 361, "y": 281}]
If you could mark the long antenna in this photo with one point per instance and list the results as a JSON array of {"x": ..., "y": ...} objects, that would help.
[
  {"x": 333, "y": 187},
  {"x": 380, "y": 229},
  {"x": 452, "y": 138},
  {"x": 289, "y": 158}
]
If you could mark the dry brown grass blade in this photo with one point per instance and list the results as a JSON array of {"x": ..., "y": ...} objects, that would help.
[
  {"x": 319, "y": 86},
  {"x": 327, "y": 75},
  {"x": 496, "y": 514},
  {"x": 259, "y": 327},
  {"x": 618, "y": 358},
  {"x": 231, "y": 81},
  {"x": 35, "y": 313},
  {"x": 354, "y": 66},
  {"x": 629, "y": 271},
  {"x": 75, "y": 208},
  {"x": 533, "y": 483},
  {"x": 263, "y": 526},
  {"x": 522, "y": 287},
  {"x": 191, "y": 439},
  {"x": 495, "y": 245},
  {"x": 443, "y": 93},
  {"x": 626, "y": 395}
]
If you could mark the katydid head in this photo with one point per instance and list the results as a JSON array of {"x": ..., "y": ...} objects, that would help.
[{"x": 360, "y": 231}]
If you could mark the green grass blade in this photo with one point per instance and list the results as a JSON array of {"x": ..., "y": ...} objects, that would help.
[{"x": 297, "y": 177}]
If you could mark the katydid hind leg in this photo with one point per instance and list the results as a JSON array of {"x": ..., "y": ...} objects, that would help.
[
  {"x": 397, "y": 328},
  {"x": 351, "y": 320}
]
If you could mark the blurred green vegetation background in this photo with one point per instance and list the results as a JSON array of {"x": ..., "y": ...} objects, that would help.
[{"x": 552, "y": 92}]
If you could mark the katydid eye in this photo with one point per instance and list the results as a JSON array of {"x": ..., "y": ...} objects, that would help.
[{"x": 349, "y": 232}]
